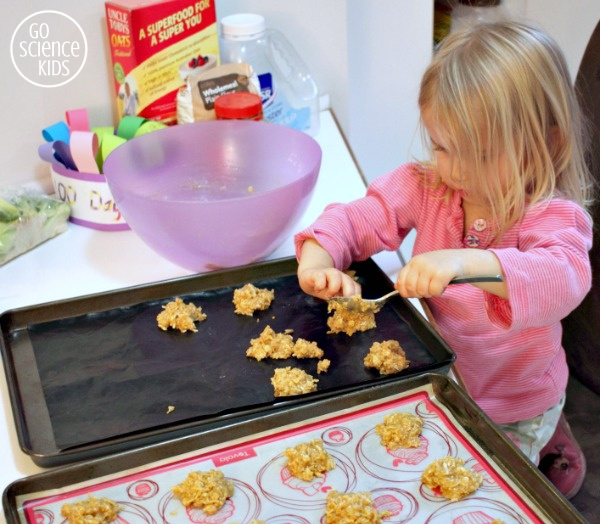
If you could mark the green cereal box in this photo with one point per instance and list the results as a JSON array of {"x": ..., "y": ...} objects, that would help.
[{"x": 155, "y": 45}]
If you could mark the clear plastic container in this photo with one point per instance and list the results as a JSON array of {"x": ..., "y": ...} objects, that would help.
[
  {"x": 289, "y": 93},
  {"x": 466, "y": 13}
]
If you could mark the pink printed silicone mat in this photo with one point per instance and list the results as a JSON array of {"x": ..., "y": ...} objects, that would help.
[{"x": 265, "y": 490}]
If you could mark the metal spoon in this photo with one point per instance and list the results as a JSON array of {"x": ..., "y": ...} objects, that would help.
[{"x": 364, "y": 305}]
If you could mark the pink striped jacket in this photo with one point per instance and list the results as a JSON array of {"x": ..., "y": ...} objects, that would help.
[{"x": 509, "y": 352}]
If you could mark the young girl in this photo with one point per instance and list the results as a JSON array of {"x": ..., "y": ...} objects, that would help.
[{"x": 505, "y": 192}]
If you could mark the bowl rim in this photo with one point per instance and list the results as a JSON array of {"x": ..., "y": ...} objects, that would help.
[{"x": 108, "y": 178}]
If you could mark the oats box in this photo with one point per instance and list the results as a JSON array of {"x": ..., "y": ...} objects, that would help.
[{"x": 154, "y": 46}]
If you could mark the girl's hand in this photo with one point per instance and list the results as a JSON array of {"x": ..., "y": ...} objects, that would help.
[
  {"x": 327, "y": 283},
  {"x": 428, "y": 274},
  {"x": 318, "y": 277}
]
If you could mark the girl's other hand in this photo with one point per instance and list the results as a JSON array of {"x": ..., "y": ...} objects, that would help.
[{"x": 428, "y": 274}]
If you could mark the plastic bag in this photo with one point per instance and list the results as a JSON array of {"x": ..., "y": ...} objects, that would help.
[{"x": 28, "y": 219}]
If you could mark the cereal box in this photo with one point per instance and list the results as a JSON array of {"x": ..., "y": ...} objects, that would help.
[{"x": 155, "y": 45}]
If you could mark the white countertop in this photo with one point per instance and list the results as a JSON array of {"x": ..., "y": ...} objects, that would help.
[{"x": 84, "y": 261}]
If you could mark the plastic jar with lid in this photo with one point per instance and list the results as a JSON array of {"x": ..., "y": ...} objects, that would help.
[
  {"x": 239, "y": 106},
  {"x": 288, "y": 91},
  {"x": 470, "y": 12}
]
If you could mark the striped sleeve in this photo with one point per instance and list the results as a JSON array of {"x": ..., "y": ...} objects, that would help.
[
  {"x": 548, "y": 274},
  {"x": 379, "y": 221}
]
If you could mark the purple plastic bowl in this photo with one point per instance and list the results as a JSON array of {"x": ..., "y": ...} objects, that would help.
[{"x": 214, "y": 194}]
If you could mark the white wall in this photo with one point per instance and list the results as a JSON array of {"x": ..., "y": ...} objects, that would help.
[
  {"x": 27, "y": 109},
  {"x": 366, "y": 55},
  {"x": 388, "y": 50},
  {"x": 570, "y": 23}
]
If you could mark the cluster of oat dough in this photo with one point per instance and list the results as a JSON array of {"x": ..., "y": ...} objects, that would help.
[
  {"x": 205, "y": 490},
  {"x": 182, "y": 317},
  {"x": 249, "y": 299},
  {"x": 91, "y": 511},
  {"x": 387, "y": 356},
  {"x": 350, "y": 508},
  {"x": 351, "y": 316},
  {"x": 309, "y": 460},
  {"x": 178, "y": 315},
  {"x": 450, "y": 476},
  {"x": 400, "y": 430},
  {"x": 290, "y": 381},
  {"x": 279, "y": 346}
]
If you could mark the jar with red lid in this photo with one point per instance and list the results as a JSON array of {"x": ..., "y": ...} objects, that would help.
[{"x": 239, "y": 106}]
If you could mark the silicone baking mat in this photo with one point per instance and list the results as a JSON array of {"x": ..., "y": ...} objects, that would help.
[
  {"x": 264, "y": 488},
  {"x": 97, "y": 371}
]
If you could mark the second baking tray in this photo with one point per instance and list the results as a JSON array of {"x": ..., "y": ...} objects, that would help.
[
  {"x": 251, "y": 456},
  {"x": 95, "y": 375}
]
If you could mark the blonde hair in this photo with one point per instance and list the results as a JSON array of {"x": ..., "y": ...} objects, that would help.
[{"x": 503, "y": 89}]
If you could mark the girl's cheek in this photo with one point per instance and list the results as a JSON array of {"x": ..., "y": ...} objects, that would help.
[
  {"x": 444, "y": 168},
  {"x": 456, "y": 175}
]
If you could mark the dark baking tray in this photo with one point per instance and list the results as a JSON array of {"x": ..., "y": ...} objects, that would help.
[
  {"x": 95, "y": 375},
  {"x": 531, "y": 490}
]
